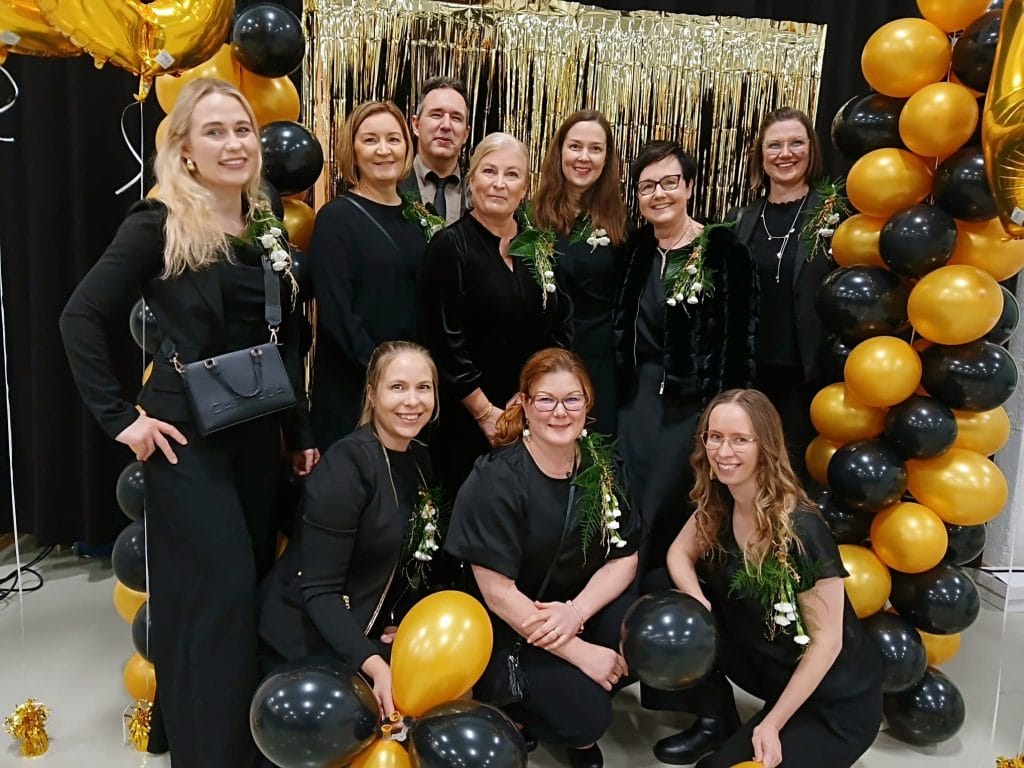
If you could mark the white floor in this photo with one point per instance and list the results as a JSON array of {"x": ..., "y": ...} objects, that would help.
[{"x": 74, "y": 646}]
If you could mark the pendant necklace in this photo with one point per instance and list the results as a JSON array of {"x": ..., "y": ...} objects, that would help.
[
  {"x": 664, "y": 252},
  {"x": 784, "y": 237}
]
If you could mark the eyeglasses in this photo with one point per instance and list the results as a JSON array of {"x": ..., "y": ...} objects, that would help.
[
  {"x": 547, "y": 403},
  {"x": 796, "y": 146},
  {"x": 715, "y": 440},
  {"x": 667, "y": 183}
]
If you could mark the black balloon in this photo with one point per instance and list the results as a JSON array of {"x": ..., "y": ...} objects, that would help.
[
  {"x": 929, "y": 712},
  {"x": 977, "y": 376},
  {"x": 831, "y": 357},
  {"x": 292, "y": 157},
  {"x": 267, "y": 40},
  {"x": 861, "y": 302},
  {"x": 975, "y": 51},
  {"x": 143, "y": 327},
  {"x": 867, "y": 475},
  {"x": 917, "y": 240},
  {"x": 995, "y": 5},
  {"x": 920, "y": 427},
  {"x": 669, "y": 640},
  {"x": 131, "y": 491},
  {"x": 466, "y": 734},
  {"x": 942, "y": 600},
  {"x": 904, "y": 657},
  {"x": 961, "y": 187},
  {"x": 140, "y": 631},
  {"x": 867, "y": 123},
  {"x": 129, "y": 557},
  {"x": 966, "y": 543},
  {"x": 848, "y": 526},
  {"x": 1008, "y": 320},
  {"x": 313, "y": 713}
]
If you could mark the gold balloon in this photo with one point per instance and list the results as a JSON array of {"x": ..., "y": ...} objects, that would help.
[
  {"x": 1002, "y": 129},
  {"x": 905, "y": 55},
  {"x": 869, "y": 583},
  {"x": 938, "y": 119},
  {"x": 841, "y": 416},
  {"x": 383, "y": 753},
  {"x": 147, "y": 371},
  {"x": 147, "y": 39},
  {"x": 962, "y": 487},
  {"x": 749, "y": 764},
  {"x": 983, "y": 432},
  {"x": 298, "y": 220},
  {"x": 940, "y": 648},
  {"x": 127, "y": 601},
  {"x": 888, "y": 180},
  {"x": 272, "y": 98},
  {"x": 909, "y": 537},
  {"x": 441, "y": 648},
  {"x": 855, "y": 242},
  {"x": 140, "y": 678},
  {"x": 986, "y": 245},
  {"x": 817, "y": 456},
  {"x": 23, "y": 29},
  {"x": 955, "y": 304},
  {"x": 882, "y": 371},
  {"x": 951, "y": 15},
  {"x": 221, "y": 66}
]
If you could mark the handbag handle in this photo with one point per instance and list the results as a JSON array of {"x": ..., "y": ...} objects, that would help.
[{"x": 257, "y": 367}]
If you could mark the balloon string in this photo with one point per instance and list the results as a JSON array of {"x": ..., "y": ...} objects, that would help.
[
  {"x": 10, "y": 102},
  {"x": 137, "y": 155}
]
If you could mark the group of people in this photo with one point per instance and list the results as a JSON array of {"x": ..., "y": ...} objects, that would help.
[{"x": 589, "y": 409}]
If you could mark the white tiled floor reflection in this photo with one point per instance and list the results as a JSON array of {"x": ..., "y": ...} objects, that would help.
[{"x": 75, "y": 646}]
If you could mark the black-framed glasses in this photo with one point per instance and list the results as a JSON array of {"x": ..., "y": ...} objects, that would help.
[
  {"x": 739, "y": 443},
  {"x": 546, "y": 403},
  {"x": 667, "y": 183}
]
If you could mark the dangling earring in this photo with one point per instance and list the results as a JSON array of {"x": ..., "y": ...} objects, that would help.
[
  {"x": 526, "y": 430},
  {"x": 190, "y": 166}
]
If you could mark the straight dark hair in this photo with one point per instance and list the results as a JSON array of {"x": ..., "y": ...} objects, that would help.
[{"x": 655, "y": 151}]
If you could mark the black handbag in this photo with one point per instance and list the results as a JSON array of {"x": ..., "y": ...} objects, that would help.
[{"x": 242, "y": 385}]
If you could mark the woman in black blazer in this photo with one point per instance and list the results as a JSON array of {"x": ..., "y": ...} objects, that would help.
[
  {"x": 196, "y": 255},
  {"x": 361, "y": 555}
]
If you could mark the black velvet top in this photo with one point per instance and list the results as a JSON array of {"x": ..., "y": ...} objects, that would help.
[
  {"x": 591, "y": 277},
  {"x": 777, "y": 334}
]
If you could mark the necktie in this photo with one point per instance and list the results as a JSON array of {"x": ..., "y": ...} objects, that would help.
[{"x": 440, "y": 185}]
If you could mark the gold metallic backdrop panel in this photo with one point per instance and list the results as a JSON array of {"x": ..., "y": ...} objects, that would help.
[{"x": 704, "y": 81}]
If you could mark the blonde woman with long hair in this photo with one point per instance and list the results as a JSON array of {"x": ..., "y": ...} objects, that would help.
[
  {"x": 196, "y": 256},
  {"x": 760, "y": 557}
]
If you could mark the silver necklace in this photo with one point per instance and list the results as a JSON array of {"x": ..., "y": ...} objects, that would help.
[
  {"x": 690, "y": 228},
  {"x": 783, "y": 237}
]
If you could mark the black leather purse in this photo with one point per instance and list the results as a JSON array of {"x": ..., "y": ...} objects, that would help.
[{"x": 238, "y": 386}]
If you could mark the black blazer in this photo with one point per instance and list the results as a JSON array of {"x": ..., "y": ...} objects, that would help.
[
  {"x": 188, "y": 308},
  {"x": 347, "y": 549},
  {"x": 807, "y": 279}
]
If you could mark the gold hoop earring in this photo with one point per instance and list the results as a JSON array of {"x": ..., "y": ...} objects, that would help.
[{"x": 190, "y": 165}]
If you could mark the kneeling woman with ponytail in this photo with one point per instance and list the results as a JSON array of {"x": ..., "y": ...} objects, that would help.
[{"x": 553, "y": 555}]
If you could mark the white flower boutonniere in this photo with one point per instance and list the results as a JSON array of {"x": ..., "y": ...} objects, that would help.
[
  {"x": 425, "y": 532},
  {"x": 267, "y": 230}
]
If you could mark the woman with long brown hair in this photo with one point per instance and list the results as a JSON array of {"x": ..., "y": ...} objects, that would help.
[
  {"x": 759, "y": 556},
  {"x": 579, "y": 198}
]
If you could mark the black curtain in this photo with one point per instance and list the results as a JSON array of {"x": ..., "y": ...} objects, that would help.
[{"x": 58, "y": 211}]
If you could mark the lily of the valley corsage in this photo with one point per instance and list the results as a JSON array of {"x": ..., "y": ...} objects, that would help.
[
  {"x": 585, "y": 232},
  {"x": 687, "y": 278},
  {"x": 424, "y": 536},
  {"x": 599, "y": 509},
  {"x": 774, "y": 584},
  {"x": 536, "y": 247},
  {"x": 268, "y": 230}
]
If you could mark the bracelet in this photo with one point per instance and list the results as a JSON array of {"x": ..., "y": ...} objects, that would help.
[
  {"x": 579, "y": 615},
  {"x": 487, "y": 412}
]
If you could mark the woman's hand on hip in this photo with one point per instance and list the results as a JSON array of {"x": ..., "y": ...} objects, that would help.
[
  {"x": 552, "y": 626},
  {"x": 145, "y": 435}
]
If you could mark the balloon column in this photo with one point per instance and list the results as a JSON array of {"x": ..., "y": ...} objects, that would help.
[{"x": 917, "y": 315}]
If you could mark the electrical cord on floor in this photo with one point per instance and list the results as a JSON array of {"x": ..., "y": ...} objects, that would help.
[{"x": 26, "y": 569}]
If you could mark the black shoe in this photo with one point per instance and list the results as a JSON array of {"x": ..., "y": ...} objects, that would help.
[
  {"x": 588, "y": 757},
  {"x": 529, "y": 738},
  {"x": 704, "y": 736}
]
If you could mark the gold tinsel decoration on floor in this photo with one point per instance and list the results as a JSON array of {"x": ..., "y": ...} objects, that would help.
[
  {"x": 1010, "y": 762},
  {"x": 139, "y": 723},
  {"x": 27, "y": 726}
]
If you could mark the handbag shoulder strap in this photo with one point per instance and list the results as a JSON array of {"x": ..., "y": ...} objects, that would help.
[
  {"x": 565, "y": 532},
  {"x": 362, "y": 209}
]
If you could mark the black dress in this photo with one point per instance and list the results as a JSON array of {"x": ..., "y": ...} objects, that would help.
[
  {"x": 839, "y": 721},
  {"x": 591, "y": 277},
  {"x": 364, "y": 259},
  {"x": 342, "y": 579},
  {"x": 672, "y": 361},
  {"x": 481, "y": 322},
  {"x": 509, "y": 517}
]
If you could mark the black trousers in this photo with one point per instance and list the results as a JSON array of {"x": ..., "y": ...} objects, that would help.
[
  {"x": 791, "y": 395},
  {"x": 209, "y": 538}
]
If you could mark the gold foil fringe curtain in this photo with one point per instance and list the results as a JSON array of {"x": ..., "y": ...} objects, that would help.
[{"x": 704, "y": 81}]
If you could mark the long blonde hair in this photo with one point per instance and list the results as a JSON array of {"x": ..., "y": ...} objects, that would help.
[
  {"x": 193, "y": 238},
  {"x": 779, "y": 491},
  {"x": 381, "y": 358}
]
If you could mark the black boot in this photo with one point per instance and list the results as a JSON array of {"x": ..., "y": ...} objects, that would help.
[
  {"x": 704, "y": 736},
  {"x": 588, "y": 757}
]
